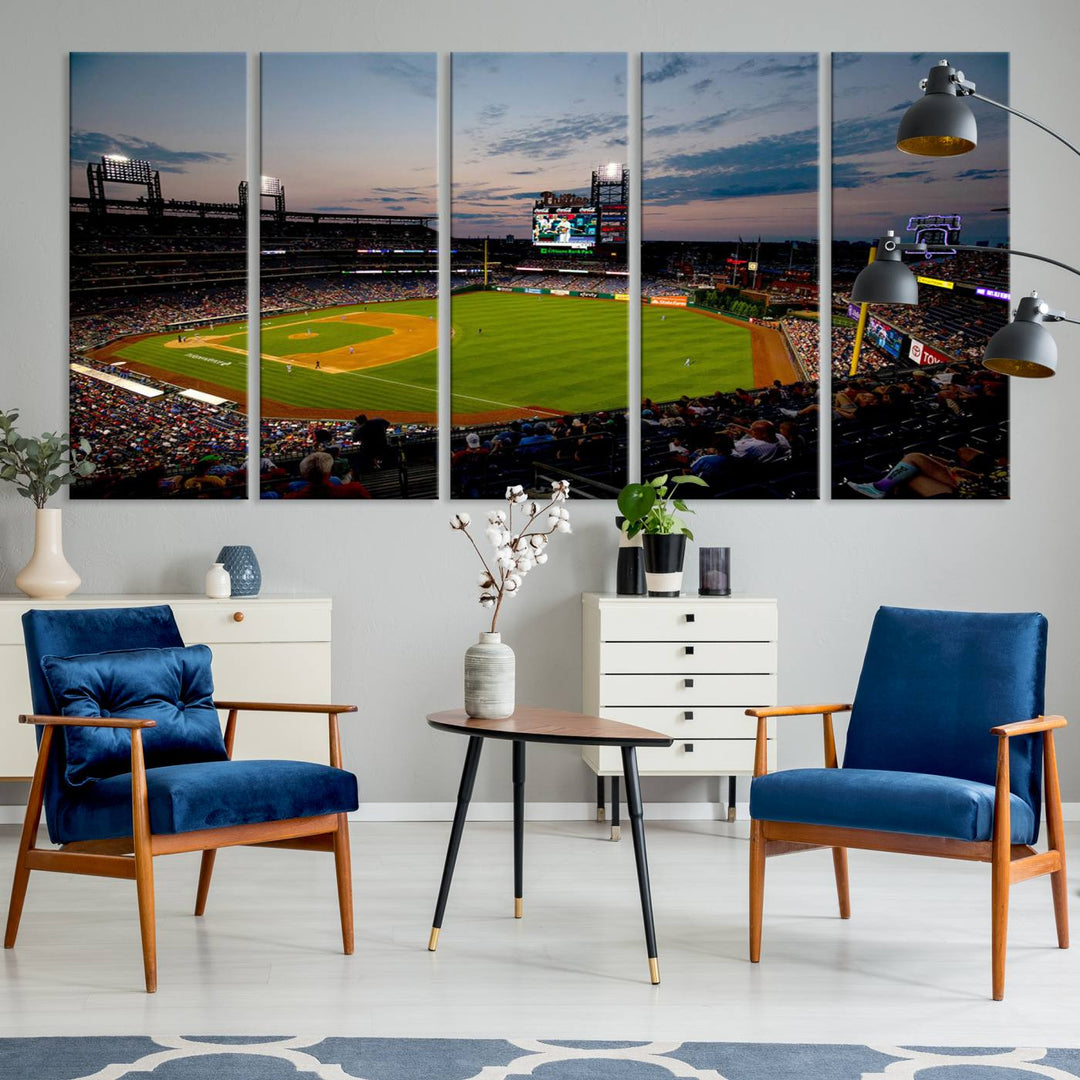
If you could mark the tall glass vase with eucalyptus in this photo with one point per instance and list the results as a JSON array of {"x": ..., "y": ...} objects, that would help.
[{"x": 517, "y": 547}]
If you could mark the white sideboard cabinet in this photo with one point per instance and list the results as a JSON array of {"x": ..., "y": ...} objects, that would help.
[
  {"x": 266, "y": 648},
  {"x": 688, "y": 666}
]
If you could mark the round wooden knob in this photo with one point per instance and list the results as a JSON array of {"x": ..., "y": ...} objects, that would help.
[{"x": 238, "y": 616}]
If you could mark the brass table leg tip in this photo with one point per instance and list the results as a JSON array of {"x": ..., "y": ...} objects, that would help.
[
  {"x": 519, "y": 907},
  {"x": 433, "y": 940},
  {"x": 654, "y": 971},
  {"x": 616, "y": 832},
  {"x": 600, "y": 814}
]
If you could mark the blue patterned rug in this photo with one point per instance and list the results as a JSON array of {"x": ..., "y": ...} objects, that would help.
[{"x": 283, "y": 1058}]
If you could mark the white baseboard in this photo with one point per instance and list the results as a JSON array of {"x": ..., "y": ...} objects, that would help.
[
  {"x": 542, "y": 811},
  {"x": 12, "y": 814}
]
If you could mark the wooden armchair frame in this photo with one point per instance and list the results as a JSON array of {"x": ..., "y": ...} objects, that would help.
[
  {"x": 132, "y": 857},
  {"x": 1009, "y": 862}
]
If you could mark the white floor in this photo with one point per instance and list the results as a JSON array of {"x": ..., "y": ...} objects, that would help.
[{"x": 911, "y": 966}]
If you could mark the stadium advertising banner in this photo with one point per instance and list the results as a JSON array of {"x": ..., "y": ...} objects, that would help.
[
  {"x": 157, "y": 372},
  {"x": 899, "y": 432},
  {"x": 564, "y": 228},
  {"x": 729, "y": 228},
  {"x": 349, "y": 371},
  {"x": 538, "y": 376}
]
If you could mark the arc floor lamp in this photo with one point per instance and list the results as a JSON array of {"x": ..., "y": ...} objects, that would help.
[{"x": 941, "y": 124}]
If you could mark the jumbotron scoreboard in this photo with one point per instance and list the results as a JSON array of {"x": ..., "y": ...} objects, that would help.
[{"x": 564, "y": 227}]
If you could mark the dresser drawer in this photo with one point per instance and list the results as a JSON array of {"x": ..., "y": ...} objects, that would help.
[
  {"x": 261, "y": 620},
  {"x": 688, "y": 657},
  {"x": 709, "y": 757},
  {"x": 691, "y": 723},
  {"x": 687, "y": 691},
  {"x": 688, "y": 620}
]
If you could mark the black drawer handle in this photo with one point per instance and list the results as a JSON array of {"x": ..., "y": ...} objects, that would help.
[
  {"x": 688, "y": 683},
  {"x": 689, "y": 650},
  {"x": 688, "y": 747},
  {"x": 689, "y": 616},
  {"x": 688, "y": 715}
]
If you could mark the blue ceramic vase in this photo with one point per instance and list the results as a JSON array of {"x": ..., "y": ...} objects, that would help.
[{"x": 239, "y": 560}]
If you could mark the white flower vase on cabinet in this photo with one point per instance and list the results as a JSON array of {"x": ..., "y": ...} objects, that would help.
[
  {"x": 489, "y": 678},
  {"x": 48, "y": 575},
  {"x": 218, "y": 582}
]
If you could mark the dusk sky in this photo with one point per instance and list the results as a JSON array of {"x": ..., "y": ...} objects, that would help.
[
  {"x": 183, "y": 112},
  {"x": 529, "y": 122},
  {"x": 351, "y": 132},
  {"x": 729, "y": 146},
  {"x": 876, "y": 187}
]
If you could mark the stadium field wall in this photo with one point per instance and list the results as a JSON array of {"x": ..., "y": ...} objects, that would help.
[{"x": 403, "y": 591}]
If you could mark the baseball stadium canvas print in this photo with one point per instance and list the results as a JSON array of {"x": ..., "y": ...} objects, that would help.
[
  {"x": 158, "y": 274},
  {"x": 914, "y": 414},
  {"x": 729, "y": 281},
  {"x": 540, "y": 306},
  {"x": 348, "y": 253}
]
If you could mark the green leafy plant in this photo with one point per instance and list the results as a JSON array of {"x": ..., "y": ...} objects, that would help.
[
  {"x": 40, "y": 467},
  {"x": 647, "y": 509}
]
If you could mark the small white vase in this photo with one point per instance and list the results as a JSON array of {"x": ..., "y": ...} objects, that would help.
[
  {"x": 48, "y": 575},
  {"x": 489, "y": 679},
  {"x": 218, "y": 582}
]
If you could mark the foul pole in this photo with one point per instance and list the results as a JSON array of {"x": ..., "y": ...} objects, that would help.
[{"x": 861, "y": 325}]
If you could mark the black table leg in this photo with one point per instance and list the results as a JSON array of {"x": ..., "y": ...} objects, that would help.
[
  {"x": 468, "y": 778},
  {"x": 615, "y": 800},
  {"x": 600, "y": 798},
  {"x": 519, "y": 825},
  {"x": 637, "y": 827},
  {"x": 731, "y": 798}
]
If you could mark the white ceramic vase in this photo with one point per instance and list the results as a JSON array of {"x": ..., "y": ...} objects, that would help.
[
  {"x": 48, "y": 575},
  {"x": 489, "y": 678},
  {"x": 218, "y": 582}
]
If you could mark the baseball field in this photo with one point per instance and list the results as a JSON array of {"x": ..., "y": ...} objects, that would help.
[{"x": 514, "y": 354}]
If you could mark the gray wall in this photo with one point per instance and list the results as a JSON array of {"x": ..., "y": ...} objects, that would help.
[{"x": 402, "y": 584}]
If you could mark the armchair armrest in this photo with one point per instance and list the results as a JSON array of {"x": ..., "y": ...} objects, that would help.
[
  {"x": 88, "y": 721},
  {"x": 797, "y": 710},
  {"x": 1029, "y": 727},
  {"x": 824, "y": 711},
  {"x": 330, "y": 711},
  {"x": 280, "y": 706}
]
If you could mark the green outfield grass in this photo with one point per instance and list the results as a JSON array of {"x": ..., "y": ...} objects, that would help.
[
  {"x": 719, "y": 352},
  {"x": 552, "y": 352}
]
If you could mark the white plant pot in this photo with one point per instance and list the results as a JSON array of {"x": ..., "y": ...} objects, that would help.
[
  {"x": 48, "y": 575},
  {"x": 489, "y": 679}
]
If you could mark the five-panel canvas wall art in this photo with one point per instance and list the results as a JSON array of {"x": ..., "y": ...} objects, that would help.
[{"x": 547, "y": 262}]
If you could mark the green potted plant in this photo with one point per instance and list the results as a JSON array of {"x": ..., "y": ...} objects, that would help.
[
  {"x": 648, "y": 510},
  {"x": 39, "y": 466}
]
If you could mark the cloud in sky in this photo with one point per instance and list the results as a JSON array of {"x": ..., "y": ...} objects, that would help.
[
  {"x": 91, "y": 145},
  {"x": 877, "y": 186},
  {"x": 728, "y": 137},
  {"x": 530, "y": 122}
]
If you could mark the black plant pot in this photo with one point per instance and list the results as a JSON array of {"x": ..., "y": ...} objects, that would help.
[
  {"x": 630, "y": 572},
  {"x": 664, "y": 555}
]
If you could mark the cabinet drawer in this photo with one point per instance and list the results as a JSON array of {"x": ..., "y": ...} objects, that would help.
[
  {"x": 215, "y": 621},
  {"x": 709, "y": 757},
  {"x": 690, "y": 657},
  {"x": 686, "y": 691},
  {"x": 688, "y": 620},
  {"x": 691, "y": 723}
]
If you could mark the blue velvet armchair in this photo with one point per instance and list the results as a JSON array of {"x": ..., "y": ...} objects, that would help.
[
  {"x": 947, "y": 753},
  {"x": 132, "y": 763}
]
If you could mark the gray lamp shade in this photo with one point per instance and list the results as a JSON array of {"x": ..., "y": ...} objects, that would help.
[
  {"x": 1024, "y": 349},
  {"x": 885, "y": 281},
  {"x": 939, "y": 124}
]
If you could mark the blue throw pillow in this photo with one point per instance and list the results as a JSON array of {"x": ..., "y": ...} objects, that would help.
[{"x": 172, "y": 686}]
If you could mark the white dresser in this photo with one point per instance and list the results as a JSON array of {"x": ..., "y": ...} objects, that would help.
[
  {"x": 686, "y": 666},
  {"x": 266, "y": 648}
]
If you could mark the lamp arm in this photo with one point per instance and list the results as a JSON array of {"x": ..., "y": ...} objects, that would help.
[
  {"x": 1024, "y": 116},
  {"x": 1009, "y": 251}
]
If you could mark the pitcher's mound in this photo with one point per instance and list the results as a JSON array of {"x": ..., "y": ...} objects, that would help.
[{"x": 302, "y": 337}]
